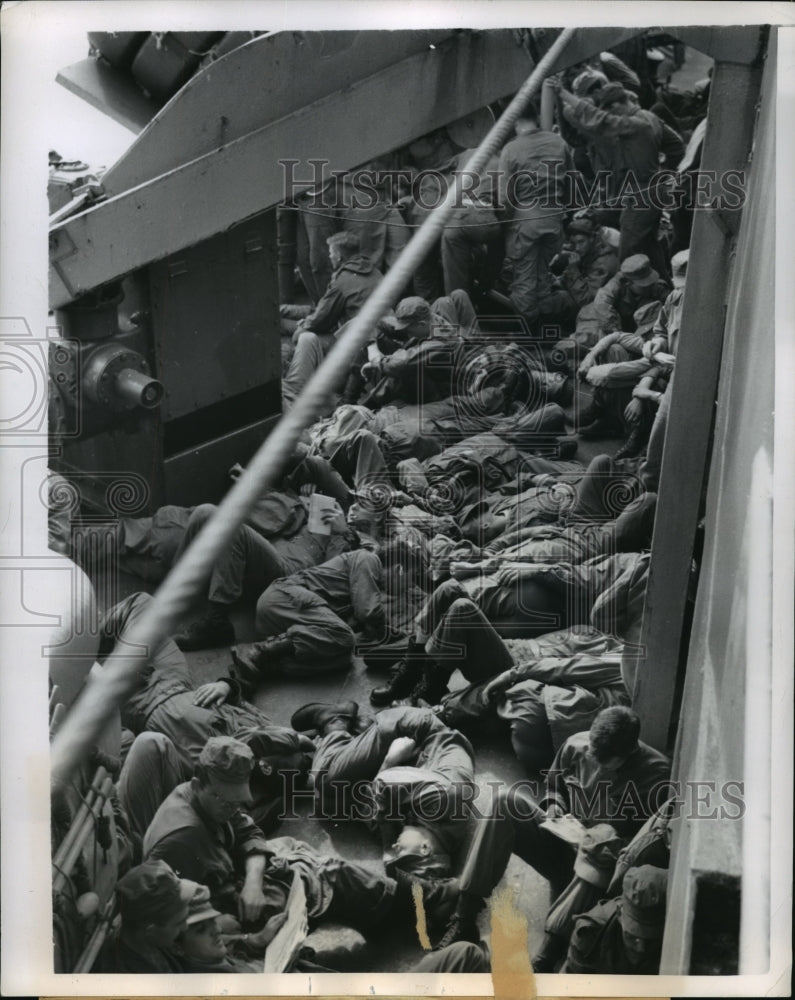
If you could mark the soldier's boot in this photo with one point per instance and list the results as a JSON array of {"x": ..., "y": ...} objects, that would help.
[
  {"x": 253, "y": 661},
  {"x": 406, "y": 675}
]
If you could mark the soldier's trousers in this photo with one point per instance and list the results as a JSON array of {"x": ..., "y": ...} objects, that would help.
[
  {"x": 151, "y": 771},
  {"x": 530, "y": 244},
  {"x": 247, "y": 564},
  {"x": 321, "y": 639},
  {"x": 512, "y": 825}
]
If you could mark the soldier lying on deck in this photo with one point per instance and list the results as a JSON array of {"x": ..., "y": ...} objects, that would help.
[
  {"x": 202, "y": 832},
  {"x": 408, "y": 775},
  {"x": 462, "y": 622},
  {"x": 165, "y": 702}
]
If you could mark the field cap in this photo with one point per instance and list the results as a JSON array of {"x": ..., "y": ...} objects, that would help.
[
  {"x": 639, "y": 271},
  {"x": 411, "y": 310},
  {"x": 199, "y": 906},
  {"x": 151, "y": 893},
  {"x": 228, "y": 761},
  {"x": 643, "y": 906}
]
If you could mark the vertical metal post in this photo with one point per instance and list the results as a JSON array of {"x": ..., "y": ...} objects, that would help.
[{"x": 727, "y": 144}]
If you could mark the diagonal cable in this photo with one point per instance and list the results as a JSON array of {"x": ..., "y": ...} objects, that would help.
[{"x": 111, "y": 687}]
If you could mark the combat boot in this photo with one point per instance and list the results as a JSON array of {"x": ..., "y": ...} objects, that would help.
[
  {"x": 460, "y": 929},
  {"x": 252, "y": 661},
  {"x": 406, "y": 675},
  {"x": 432, "y": 687}
]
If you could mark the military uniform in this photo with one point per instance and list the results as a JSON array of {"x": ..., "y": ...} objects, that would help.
[
  {"x": 255, "y": 557},
  {"x": 149, "y": 894},
  {"x": 595, "y": 861},
  {"x": 542, "y": 598},
  {"x": 316, "y": 220},
  {"x": 625, "y": 798},
  {"x": 163, "y": 703},
  {"x": 421, "y": 368},
  {"x": 560, "y": 681},
  {"x": 471, "y": 226},
  {"x": 635, "y": 284},
  {"x": 429, "y": 792},
  {"x": 638, "y": 139},
  {"x": 380, "y": 228},
  {"x": 598, "y": 944},
  {"x": 312, "y": 608},
  {"x": 532, "y": 179},
  {"x": 349, "y": 288},
  {"x": 582, "y": 277},
  {"x": 199, "y": 847},
  {"x": 574, "y": 784},
  {"x": 309, "y": 350}
]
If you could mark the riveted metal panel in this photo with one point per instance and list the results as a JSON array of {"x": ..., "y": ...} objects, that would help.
[
  {"x": 215, "y": 317},
  {"x": 201, "y": 474}
]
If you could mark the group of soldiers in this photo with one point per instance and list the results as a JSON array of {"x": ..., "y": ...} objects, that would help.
[{"x": 435, "y": 522}]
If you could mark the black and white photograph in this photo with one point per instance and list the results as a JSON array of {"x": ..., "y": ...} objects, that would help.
[{"x": 397, "y": 441}]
